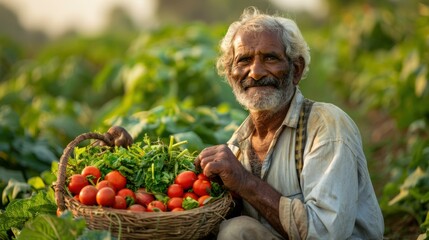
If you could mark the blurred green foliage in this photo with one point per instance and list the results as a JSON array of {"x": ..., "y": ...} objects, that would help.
[
  {"x": 371, "y": 55},
  {"x": 380, "y": 63}
]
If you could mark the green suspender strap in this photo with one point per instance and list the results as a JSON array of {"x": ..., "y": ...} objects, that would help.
[{"x": 301, "y": 135}]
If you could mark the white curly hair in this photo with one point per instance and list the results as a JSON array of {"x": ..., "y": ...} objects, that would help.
[{"x": 253, "y": 21}]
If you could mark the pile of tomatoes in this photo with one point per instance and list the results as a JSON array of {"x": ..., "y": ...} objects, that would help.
[{"x": 89, "y": 188}]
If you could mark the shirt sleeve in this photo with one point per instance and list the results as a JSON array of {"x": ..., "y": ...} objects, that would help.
[
  {"x": 330, "y": 188},
  {"x": 293, "y": 217}
]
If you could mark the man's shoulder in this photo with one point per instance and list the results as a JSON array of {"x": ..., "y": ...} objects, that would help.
[
  {"x": 331, "y": 119},
  {"x": 328, "y": 112}
]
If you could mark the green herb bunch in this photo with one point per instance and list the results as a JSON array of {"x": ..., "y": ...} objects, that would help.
[{"x": 148, "y": 164}]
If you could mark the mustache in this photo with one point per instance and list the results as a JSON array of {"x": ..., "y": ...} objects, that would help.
[{"x": 266, "y": 81}]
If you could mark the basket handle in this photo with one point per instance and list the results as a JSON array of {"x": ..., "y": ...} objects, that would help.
[{"x": 61, "y": 178}]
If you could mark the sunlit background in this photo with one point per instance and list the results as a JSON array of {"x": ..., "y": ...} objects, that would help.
[{"x": 55, "y": 18}]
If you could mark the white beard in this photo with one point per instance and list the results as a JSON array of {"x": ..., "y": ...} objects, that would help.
[
  {"x": 266, "y": 99},
  {"x": 263, "y": 100}
]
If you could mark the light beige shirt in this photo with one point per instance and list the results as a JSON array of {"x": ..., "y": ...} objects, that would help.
[{"x": 334, "y": 198}]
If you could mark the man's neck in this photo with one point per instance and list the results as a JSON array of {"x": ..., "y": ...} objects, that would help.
[{"x": 266, "y": 123}]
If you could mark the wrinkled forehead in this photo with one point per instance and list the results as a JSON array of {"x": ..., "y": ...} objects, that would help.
[
  {"x": 249, "y": 39},
  {"x": 253, "y": 28}
]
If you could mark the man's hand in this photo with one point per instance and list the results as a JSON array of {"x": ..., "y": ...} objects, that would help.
[{"x": 219, "y": 161}]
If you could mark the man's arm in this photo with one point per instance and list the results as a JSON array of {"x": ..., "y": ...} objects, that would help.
[
  {"x": 330, "y": 190},
  {"x": 220, "y": 161}
]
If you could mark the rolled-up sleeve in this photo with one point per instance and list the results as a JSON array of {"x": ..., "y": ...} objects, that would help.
[{"x": 293, "y": 218}]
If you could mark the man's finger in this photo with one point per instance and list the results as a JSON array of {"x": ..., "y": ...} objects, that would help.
[
  {"x": 197, "y": 163},
  {"x": 212, "y": 169}
]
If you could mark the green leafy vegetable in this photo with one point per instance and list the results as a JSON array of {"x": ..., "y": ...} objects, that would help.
[
  {"x": 190, "y": 203},
  {"x": 149, "y": 164}
]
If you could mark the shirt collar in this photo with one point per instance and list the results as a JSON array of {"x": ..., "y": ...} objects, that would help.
[
  {"x": 245, "y": 130},
  {"x": 292, "y": 116}
]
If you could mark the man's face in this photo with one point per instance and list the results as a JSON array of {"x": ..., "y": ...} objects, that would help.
[{"x": 261, "y": 76}]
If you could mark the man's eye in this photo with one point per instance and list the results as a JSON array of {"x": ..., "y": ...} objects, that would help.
[
  {"x": 270, "y": 58},
  {"x": 243, "y": 60}
]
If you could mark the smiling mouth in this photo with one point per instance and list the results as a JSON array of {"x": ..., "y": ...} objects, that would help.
[
  {"x": 264, "y": 82},
  {"x": 253, "y": 86}
]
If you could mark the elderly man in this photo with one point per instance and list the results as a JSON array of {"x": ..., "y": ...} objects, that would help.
[{"x": 298, "y": 165}]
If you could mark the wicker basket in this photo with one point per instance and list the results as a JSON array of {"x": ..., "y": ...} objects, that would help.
[{"x": 196, "y": 223}]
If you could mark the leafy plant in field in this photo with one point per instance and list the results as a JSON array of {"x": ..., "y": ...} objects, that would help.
[
  {"x": 74, "y": 85},
  {"x": 21, "y": 210},
  {"x": 79, "y": 85},
  {"x": 408, "y": 191},
  {"x": 381, "y": 63},
  {"x": 19, "y": 150}
]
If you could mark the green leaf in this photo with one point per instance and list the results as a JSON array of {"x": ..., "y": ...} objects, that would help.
[
  {"x": 21, "y": 210},
  {"x": 13, "y": 189},
  {"x": 409, "y": 182},
  {"x": 95, "y": 235},
  {"x": 421, "y": 82},
  {"x": 42, "y": 152},
  {"x": 48, "y": 177},
  {"x": 9, "y": 118},
  {"x": 51, "y": 227},
  {"x": 194, "y": 141},
  {"x": 410, "y": 64},
  {"x": 190, "y": 203},
  {"x": 425, "y": 224},
  {"x": 37, "y": 183}
]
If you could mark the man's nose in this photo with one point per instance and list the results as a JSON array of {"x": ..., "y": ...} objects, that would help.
[{"x": 257, "y": 70}]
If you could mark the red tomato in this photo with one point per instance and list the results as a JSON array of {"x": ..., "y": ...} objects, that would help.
[
  {"x": 203, "y": 200},
  {"x": 77, "y": 182},
  {"x": 202, "y": 177},
  {"x": 88, "y": 195},
  {"x": 92, "y": 172},
  {"x": 104, "y": 183},
  {"x": 175, "y": 202},
  {"x": 202, "y": 187},
  {"x": 191, "y": 194},
  {"x": 179, "y": 209},
  {"x": 144, "y": 198},
  {"x": 106, "y": 197},
  {"x": 175, "y": 190},
  {"x": 120, "y": 203},
  {"x": 186, "y": 179},
  {"x": 116, "y": 179},
  {"x": 128, "y": 194},
  {"x": 156, "y": 206},
  {"x": 137, "y": 208}
]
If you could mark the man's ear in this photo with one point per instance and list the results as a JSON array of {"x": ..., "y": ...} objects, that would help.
[{"x": 299, "y": 65}]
